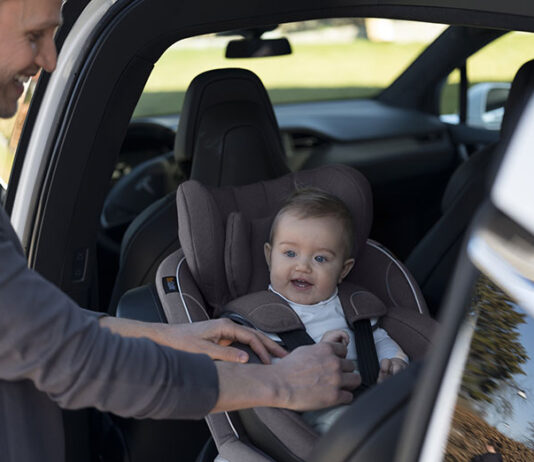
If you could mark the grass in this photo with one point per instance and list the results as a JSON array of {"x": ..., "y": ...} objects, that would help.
[
  {"x": 326, "y": 71},
  {"x": 312, "y": 72}
]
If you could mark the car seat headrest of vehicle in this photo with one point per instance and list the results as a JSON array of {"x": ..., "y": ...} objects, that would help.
[
  {"x": 520, "y": 91},
  {"x": 228, "y": 130},
  {"x": 222, "y": 230}
]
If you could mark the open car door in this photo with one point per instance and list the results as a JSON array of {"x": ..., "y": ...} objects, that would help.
[{"x": 475, "y": 399}]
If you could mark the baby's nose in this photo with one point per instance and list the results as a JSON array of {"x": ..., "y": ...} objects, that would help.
[{"x": 303, "y": 264}]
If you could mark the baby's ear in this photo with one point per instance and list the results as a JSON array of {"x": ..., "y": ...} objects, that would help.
[
  {"x": 267, "y": 249},
  {"x": 347, "y": 266}
]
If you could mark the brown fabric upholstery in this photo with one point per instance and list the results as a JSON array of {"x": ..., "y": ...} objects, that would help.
[
  {"x": 266, "y": 311},
  {"x": 206, "y": 214}
]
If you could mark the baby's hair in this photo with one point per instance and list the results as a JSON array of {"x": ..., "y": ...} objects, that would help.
[{"x": 308, "y": 202}]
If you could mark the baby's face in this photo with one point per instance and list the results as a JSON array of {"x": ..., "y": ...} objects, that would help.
[{"x": 307, "y": 258}]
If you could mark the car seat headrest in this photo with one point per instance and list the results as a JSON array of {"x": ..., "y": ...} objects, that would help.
[
  {"x": 228, "y": 130},
  {"x": 520, "y": 91},
  {"x": 222, "y": 230}
]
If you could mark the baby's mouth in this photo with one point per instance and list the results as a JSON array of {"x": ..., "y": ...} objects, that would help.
[{"x": 301, "y": 283}]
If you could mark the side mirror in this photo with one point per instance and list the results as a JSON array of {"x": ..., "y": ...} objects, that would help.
[
  {"x": 485, "y": 104},
  {"x": 256, "y": 47}
]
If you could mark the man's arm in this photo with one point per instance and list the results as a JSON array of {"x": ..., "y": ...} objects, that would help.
[
  {"x": 309, "y": 378},
  {"x": 208, "y": 337}
]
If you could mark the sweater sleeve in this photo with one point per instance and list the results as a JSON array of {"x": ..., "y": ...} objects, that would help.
[
  {"x": 386, "y": 347},
  {"x": 47, "y": 338}
]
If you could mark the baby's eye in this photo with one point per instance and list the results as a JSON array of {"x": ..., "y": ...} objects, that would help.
[
  {"x": 320, "y": 259},
  {"x": 290, "y": 253}
]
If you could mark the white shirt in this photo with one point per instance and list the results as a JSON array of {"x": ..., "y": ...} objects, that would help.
[{"x": 328, "y": 315}]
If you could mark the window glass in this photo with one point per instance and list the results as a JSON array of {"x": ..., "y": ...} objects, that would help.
[
  {"x": 331, "y": 59},
  {"x": 10, "y": 130},
  {"x": 495, "y": 407},
  {"x": 490, "y": 72}
]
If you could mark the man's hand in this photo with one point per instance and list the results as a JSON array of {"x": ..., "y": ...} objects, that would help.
[
  {"x": 209, "y": 337},
  {"x": 389, "y": 367},
  {"x": 311, "y": 377},
  {"x": 214, "y": 337}
]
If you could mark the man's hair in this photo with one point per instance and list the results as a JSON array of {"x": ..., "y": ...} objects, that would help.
[
  {"x": 315, "y": 203},
  {"x": 493, "y": 443}
]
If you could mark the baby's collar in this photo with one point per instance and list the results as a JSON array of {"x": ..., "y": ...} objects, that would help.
[{"x": 324, "y": 302}]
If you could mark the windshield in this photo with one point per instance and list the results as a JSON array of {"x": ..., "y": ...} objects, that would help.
[{"x": 331, "y": 59}]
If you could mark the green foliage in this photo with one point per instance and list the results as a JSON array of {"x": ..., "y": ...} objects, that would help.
[{"x": 496, "y": 353}]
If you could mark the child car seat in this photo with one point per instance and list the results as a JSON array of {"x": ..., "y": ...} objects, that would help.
[{"x": 222, "y": 231}]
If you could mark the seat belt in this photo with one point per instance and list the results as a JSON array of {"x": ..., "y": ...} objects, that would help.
[
  {"x": 366, "y": 351},
  {"x": 292, "y": 339},
  {"x": 295, "y": 338}
]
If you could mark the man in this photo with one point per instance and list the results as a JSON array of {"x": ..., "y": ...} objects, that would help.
[{"x": 53, "y": 352}]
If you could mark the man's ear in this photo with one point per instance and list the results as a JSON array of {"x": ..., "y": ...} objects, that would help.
[
  {"x": 267, "y": 249},
  {"x": 347, "y": 266}
]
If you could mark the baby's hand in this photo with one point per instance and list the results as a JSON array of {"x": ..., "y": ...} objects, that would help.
[
  {"x": 336, "y": 336},
  {"x": 389, "y": 367}
]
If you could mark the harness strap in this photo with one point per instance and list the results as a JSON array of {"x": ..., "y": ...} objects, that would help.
[
  {"x": 366, "y": 350},
  {"x": 295, "y": 338}
]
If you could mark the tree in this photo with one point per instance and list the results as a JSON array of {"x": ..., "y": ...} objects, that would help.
[{"x": 496, "y": 352}]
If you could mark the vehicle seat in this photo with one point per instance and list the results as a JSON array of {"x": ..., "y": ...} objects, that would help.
[
  {"x": 432, "y": 261},
  {"x": 229, "y": 135},
  {"x": 222, "y": 231}
]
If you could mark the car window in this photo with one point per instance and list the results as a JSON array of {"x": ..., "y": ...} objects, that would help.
[
  {"x": 490, "y": 72},
  {"x": 495, "y": 402},
  {"x": 10, "y": 130},
  {"x": 331, "y": 59}
]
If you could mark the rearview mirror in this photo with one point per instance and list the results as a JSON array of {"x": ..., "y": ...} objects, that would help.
[{"x": 257, "y": 47}]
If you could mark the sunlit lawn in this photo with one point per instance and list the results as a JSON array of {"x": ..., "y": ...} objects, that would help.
[
  {"x": 318, "y": 72},
  {"x": 312, "y": 72}
]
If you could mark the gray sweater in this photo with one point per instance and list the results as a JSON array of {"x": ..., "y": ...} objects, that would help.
[{"x": 53, "y": 353}]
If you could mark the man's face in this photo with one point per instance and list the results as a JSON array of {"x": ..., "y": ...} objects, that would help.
[
  {"x": 27, "y": 30},
  {"x": 307, "y": 258}
]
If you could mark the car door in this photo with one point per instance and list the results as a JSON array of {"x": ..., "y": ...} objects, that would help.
[{"x": 476, "y": 396}]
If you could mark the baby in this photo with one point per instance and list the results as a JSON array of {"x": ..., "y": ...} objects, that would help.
[{"x": 308, "y": 256}]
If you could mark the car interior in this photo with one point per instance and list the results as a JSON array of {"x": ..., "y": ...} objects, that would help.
[
  {"x": 401, "y": 149},
  {"x": 228, "y": 134},
  {"x": 118, "y": 232}
]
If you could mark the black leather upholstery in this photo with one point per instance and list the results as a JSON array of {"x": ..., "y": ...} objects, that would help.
[
  {"x": 433, "y": 259},
  {"x": 229, "y": 131},
  {"x": 229, "y": 135}
]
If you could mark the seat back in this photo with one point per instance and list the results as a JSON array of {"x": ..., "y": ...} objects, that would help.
[
  {"x": 432, "y": 260},
  {"x": 229, "y": 135},
  {"x": 222, "y": 232}
]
